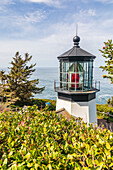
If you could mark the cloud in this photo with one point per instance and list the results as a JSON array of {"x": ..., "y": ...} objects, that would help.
[
  {"x": 105, "y": 1},
  {"x": 35, "y": 17},
  {"x": 45, "y": 50},
  {"x": 31, "y": 17},
  {"x": 22, "y": 26},
  {"x": 13, "y": 20},
  {"x": 4, "y": 4},
  {"x": 7, "y": 2},
  {"x": 89, "y": 12},
  {"x": 55, "y": 3},
  {"x": 101, "y": 1},
  {"x": 84, "y": 16}
]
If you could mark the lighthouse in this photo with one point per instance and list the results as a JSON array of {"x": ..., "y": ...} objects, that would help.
[{"x": 76, "y": 89}]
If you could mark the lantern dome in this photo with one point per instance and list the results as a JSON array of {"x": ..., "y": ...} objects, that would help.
[
  {"x": 76, "y": 53},
  {"x": 76, "y": 40}
]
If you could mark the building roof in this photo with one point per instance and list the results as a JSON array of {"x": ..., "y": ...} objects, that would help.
[{"x": 76, "y": 51}]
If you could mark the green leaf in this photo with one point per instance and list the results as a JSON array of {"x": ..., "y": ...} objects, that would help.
[
  {"x": 29, "y": 165},
  {"x": 89, "y": 162},
  {"x": 27, "y": 155},
  {"x": 14, "y": 167},
  {"x": 111, "y": 165},
  {"x": 36, "y": 166},
  {"x": 49, "y": 166},
  {"x": 10, "y": 154},
  {"x": 107, "y": 145},
  {"x": 9, "y": 140},
  {"x": 5, "y": 161},
  {"x": 12, "y": 143},
  {"x": 69, "y": 156}
]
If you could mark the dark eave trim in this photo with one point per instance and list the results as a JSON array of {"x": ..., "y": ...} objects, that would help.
[
  {"x": 77, "y": 58},
  {"x": 77, "y": 97}
]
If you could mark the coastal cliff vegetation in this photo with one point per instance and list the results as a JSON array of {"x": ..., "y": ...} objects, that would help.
[{"x": 33, "y": 139}]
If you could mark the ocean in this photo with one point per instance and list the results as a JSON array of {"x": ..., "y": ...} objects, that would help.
[{"x": 48, "y": 75}]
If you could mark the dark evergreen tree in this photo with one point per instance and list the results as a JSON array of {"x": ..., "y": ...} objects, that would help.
[{"x": 16, "y": 85}]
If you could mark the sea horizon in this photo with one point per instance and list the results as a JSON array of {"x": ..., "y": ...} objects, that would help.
[{"x": 47, "y": 75}]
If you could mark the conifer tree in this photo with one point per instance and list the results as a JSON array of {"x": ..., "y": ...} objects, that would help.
[
  {"x": 2, "y": 84},
  {"x": 16, "y": 85},
  {"x": 107, "y": 53}
]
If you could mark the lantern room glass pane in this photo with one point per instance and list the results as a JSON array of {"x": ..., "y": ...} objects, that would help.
[
  {"x": 65, "y": 66},
  {"x": 90, "y": 74},
  {"x": 85, "y": 74},
  {"x": 80, "y": 71},
  {"x": 76, "y": 76}
]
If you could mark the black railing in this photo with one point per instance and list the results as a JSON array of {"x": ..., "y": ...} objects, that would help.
[{"x": 76, "y": 87}]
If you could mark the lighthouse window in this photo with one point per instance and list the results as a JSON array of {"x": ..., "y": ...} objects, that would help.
[
  {"x": 64, "y": 75},
  {"x": 90, "y": 74},
  {"x": 76, "y": 76},
  {"x": 80, "y": 71},
  {"x": 85, "y": 74}
]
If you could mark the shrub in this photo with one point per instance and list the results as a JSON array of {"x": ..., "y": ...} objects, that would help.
[
  {"x": 104, "y": 108},
  {"x": 2, "y": 106},
  {"x": 39, "y": 102},
  {"x": 41, "y": 140},
  {"x": 110, "y": 101}
]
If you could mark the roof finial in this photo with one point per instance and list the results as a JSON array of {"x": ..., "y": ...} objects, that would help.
[{"x": 76, "y": 39}]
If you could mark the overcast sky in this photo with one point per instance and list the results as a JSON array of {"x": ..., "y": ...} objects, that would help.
[{"x": 45, "y": 28}]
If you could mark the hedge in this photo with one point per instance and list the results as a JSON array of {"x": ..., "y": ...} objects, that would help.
[
  {"x": 104, "y": 108},
  {"x": 32, "y": 140},
  {"x": 35, "y": 101}
]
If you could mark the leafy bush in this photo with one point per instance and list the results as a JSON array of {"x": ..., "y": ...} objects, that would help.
[
  {"x": 3, "y": 106},
  {"x": 39, "y": 102},
  {"x": 42, "y": 102},
  {"x": 31, "y": 139},
  {"x": 104, "y": 108},
  {"x": 110, "y": 101}
]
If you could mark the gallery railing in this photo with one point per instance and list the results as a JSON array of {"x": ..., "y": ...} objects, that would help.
[{"x": 76, "y": 87}]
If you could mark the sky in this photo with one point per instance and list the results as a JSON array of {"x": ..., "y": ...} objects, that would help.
[{"x": 45, "y": 28}]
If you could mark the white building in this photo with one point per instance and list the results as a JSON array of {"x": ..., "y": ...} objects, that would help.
[{"x": 76, "y": 90}]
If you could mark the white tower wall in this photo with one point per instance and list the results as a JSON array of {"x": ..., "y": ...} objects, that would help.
[{"x": 84, "y": 110}]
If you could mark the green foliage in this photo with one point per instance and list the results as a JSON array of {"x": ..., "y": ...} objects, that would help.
[
  {"x": 3, "y": 106},
  {"x": 104, "y": 108},
  {"x": 38, "y": 102},
  {"x": 107, "y": 53},
  {"x": 16, "y": 85},
  {"x": 41, "y": 140},
  {"x": 42, "y": 102},
  {"x": 111, "y": 102}
]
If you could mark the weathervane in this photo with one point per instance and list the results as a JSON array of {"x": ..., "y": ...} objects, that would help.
[{"x": 76, "y": 29}]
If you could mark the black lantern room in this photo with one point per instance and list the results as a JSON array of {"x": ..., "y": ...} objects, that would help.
[{"x": 76, "y": 71}]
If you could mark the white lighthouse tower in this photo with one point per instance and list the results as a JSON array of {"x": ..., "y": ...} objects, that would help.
[{"x": 76, "y": 90}]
